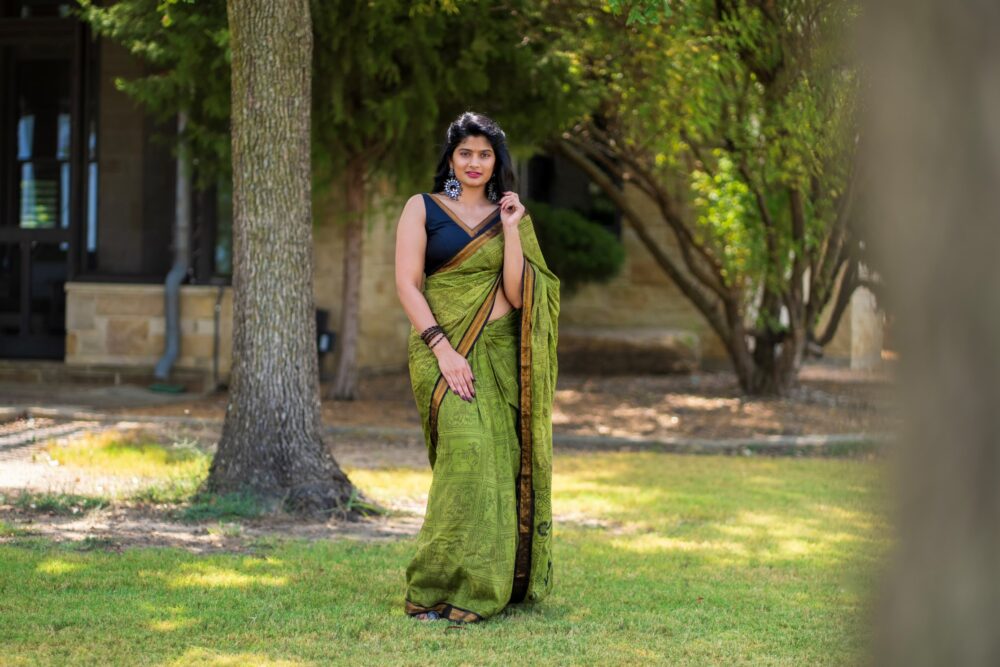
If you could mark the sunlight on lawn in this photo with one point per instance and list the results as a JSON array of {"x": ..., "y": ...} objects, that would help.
[
  {"x": 684, "y": 560},
  {"x": 205, "y": 575},
  {"x": 131, "y": 453},
  {"x": 205, "y": 657},
  {"x": 58, "y": 566}
]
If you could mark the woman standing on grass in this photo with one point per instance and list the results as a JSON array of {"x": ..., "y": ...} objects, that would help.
[{"x": 482, "y": 360}]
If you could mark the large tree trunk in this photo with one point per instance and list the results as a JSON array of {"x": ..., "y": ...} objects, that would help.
[
  {"x": 345, "y": 383},
  {"x": 934, "y": 121},
  {"x": 271, "y": 440}
]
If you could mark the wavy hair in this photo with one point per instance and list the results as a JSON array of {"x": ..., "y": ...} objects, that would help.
[{"x": 471, "y": 124}]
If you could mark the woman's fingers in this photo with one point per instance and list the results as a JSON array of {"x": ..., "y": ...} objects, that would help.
[
  {"x": 461, "y": 384},
  {"x": 458, "y": 385},
  {"x": 469, "y": 379},
  {"x": 460, "y": 380}
]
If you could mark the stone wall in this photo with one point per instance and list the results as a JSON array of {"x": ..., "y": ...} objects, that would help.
[
  {"x": 122, "y": 324},
  {"x": 384, "y": 324},
  {"x": 112, "y": 324}
]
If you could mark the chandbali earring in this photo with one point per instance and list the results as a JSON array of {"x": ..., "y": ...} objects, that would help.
[
  {"x": 491, "y": 192},
  {"x": 452, "y": 187}
]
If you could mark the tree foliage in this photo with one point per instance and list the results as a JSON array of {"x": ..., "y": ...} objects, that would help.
[
  {"x": 738, "y": 120},
  {"x": 389, "y": 77},
  {"x": 184, "y": 48}
]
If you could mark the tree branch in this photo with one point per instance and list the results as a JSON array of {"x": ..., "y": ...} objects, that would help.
[{"x": 708, "y": 308}]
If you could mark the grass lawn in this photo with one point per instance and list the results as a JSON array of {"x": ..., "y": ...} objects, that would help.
[{"x": 660, "y": 558}]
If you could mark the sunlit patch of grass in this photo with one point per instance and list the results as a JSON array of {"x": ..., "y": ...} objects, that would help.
[
  {"x": 207, "y": 575},
  {"x": 200, "y": 656},
  {"x": 57, "y": 566},
  {"x": 132, "y": 454},
  {"x": 395, "y": 486}
]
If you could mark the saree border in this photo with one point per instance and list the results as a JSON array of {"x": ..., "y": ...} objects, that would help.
[
  {"x": 469, "y": 249},
  {"x": 446, "y": 610},
  {"x": 464, "y": 347},
  {"x": 471, "y": 231},
  {"x": 525, "y": 484}
]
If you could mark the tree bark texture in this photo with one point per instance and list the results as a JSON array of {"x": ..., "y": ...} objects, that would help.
[
  {"x": 345, "y": 383},
  {"x": 271, "y": 440},
  {"x": 933, "y": 115}
]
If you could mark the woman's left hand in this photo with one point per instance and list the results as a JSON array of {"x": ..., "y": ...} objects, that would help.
[{"x": 511, "y": 210}]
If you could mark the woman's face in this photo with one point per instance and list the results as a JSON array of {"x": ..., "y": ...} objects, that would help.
[{"x": 473, "y": 160}]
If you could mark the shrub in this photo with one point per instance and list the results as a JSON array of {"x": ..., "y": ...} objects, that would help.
[{"x": 577, "y": 250}]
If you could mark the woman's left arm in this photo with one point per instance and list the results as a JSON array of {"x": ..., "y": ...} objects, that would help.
[{"x": 511, "y": 212}]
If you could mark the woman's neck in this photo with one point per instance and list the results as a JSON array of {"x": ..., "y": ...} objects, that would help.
[{"x": 473, "y": 197}]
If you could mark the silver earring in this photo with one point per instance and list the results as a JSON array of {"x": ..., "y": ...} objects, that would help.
[
  {"x": 452, "y": 187},
  {"x": 491, "y": 191}
]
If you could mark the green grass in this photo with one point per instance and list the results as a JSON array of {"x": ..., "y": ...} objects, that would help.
[
  {"x": 170, "y": 473},
  {"x": 672, "y": 560},
  {"x": 224, "y": 506},
  {"x": 132, "y": 454},
  {"x": 66, "y": 504},
  {"x": 10, "y": 530}
]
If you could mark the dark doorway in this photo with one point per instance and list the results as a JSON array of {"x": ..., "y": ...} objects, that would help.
[{"x": 40, "y": 177}]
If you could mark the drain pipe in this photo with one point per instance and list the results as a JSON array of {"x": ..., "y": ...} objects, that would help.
[
  {"x": 182, "y": 240},
  {"x": 215, "y": 337}
]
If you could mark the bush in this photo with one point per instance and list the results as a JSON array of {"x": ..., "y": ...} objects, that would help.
[{"x": 577, "y": 250}]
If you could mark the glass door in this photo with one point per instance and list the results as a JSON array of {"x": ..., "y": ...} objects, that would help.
[{"x": 38, "y": 178}]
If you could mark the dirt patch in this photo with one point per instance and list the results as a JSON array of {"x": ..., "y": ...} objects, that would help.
[
  {"x": 121, "y": 526},
  {"x": 829, "y": 399},
  {"x": 700, "y": 405}
]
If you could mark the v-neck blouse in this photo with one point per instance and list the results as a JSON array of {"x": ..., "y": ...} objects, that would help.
[{"x": 447, "y": 234}]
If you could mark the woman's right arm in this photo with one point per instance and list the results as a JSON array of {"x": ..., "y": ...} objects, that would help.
[{"x": 411, "y": 243}]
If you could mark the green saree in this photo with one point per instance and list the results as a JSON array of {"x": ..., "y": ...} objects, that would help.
[{"x": 486, "y": 540}]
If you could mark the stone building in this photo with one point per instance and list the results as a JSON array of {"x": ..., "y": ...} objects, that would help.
[{"x": 86, "y": 230}]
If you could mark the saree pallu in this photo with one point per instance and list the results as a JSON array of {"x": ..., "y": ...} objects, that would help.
[{"x": 486, "y": 540}]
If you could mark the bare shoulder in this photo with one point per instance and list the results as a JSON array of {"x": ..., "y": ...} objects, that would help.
[
  {"x": 413, "y": 212},
  {"x": 411, "y": 228}
]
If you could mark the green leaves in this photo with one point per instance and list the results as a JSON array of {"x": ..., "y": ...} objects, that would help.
[
  {"x": 723, "y": 109},
  {"x": 185, "y": 45},
  {"x": 578, "y": 250}
]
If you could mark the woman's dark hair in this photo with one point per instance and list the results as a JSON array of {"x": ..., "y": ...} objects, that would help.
[{"x": 471, "y": 124}]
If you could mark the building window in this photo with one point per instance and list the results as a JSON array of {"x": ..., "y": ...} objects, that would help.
[{"x": 29, "y": 9}]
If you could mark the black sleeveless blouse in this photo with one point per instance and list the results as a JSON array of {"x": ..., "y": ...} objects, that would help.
[{"x": 447, "y": 234}]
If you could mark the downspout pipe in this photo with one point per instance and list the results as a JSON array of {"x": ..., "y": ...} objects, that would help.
[{"x": 182, "y": 245}]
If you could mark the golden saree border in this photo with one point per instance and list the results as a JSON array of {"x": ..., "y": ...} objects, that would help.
[
  {"x": 464, "y": 347},
  {"x": 471, "y": 231},
  {"x": 445, "y": 610},
  {"x": 470, "y": 249},
  {"x": 525, "y": 487}
]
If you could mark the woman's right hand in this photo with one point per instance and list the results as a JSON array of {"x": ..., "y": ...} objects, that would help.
[{"x": 456, "y": 371}]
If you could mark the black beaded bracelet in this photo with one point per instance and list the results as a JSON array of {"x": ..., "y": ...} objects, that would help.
[
  {"x": 436, "y": 341},
  {"x": 430, "y": 331}
]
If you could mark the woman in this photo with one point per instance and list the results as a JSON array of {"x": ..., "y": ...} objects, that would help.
[{"x": 482, "y": 360}]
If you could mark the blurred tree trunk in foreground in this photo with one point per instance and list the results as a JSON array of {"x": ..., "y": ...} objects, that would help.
[
  {"x": 934, "y": 122},
  {"x": 271, "y": 441}
]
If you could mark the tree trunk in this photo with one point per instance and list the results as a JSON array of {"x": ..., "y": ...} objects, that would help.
[
  {"x": 271, "y": 442},
  {"x": 345, "y": 383},
  {"x": 935, "y": 219}
]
